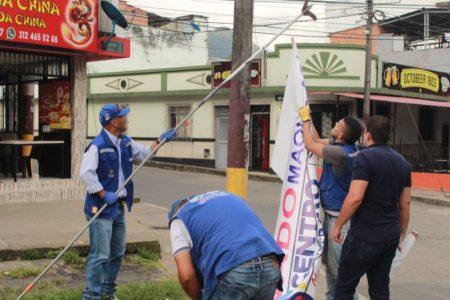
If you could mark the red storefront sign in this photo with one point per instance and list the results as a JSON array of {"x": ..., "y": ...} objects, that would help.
[{"x": 68, "y": 24}]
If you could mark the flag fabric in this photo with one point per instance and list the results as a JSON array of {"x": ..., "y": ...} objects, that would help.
[{"x": 298, "y": 230}]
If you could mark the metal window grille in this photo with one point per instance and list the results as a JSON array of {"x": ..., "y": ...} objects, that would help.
[{"x": 176, "y": 115}]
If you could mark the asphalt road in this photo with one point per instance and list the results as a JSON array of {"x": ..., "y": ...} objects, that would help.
[{"x": 424, "y": 275}]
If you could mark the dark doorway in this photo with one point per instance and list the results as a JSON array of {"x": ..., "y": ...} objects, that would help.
[
  {"x": 260, "y": 133},
  {"x": 326, "y": 115},
  {"x": 445, "y": 141}
]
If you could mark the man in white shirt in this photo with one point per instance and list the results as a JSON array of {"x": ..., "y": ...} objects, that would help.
[{"x": 106, "y": 164}]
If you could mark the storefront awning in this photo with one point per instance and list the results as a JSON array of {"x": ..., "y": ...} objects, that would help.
[{"x": 394, "y": 99}]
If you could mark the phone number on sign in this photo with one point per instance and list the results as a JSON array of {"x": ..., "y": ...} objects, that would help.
[{"x": 11, "y": 34}]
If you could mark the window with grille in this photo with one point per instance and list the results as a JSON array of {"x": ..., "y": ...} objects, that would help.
[
  {"x": 17, "y": 68},
  {"x": 176, "y": 115}
]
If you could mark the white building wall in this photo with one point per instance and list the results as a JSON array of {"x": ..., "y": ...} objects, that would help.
[
  {"x": 437, "y": 59},
  {"x": 173, "y": 45}
]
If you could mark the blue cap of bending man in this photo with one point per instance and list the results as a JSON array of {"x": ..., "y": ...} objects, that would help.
[{"x": 175, "y": 207}]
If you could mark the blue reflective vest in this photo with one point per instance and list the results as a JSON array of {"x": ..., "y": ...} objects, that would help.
[
  {"x": 334, "y": 189},
  {"x": 225, "y": 233},
  {"x": 108, "y": 174}
]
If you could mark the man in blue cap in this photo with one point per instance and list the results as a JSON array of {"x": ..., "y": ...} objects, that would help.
[
  {"x": 106, "y": 164},
  {"x": 222, "y": 250}
]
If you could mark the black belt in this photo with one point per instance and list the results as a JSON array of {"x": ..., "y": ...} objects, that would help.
[{"x": 264, "y": 257}]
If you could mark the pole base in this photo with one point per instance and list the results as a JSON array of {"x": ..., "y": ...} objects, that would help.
[{"x": 237, "y": 182}]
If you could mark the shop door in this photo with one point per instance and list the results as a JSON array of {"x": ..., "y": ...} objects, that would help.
[
  {"x": 221, "y": 134},
  {"x": 445, "y": 141},
  {"x": 260, "y": 133}
]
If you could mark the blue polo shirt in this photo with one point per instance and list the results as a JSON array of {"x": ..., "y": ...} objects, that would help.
[{"x": 388, "y": 173}]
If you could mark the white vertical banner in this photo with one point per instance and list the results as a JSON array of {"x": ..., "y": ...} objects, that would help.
[{"x": 298, "y": 230}]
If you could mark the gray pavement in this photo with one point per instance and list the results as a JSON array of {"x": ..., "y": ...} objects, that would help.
[
  {"x": 425, "y": 274},
  {"x": 53, "y": 224}
]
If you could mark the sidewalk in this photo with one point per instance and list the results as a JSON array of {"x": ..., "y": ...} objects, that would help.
[
  {"x": 53, "y": 224},
  {"x": 431, "y": 197}
]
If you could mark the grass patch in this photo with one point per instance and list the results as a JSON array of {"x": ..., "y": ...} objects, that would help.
[
  {"x": 32, "y": 254},
  {"x": 20, "y": 273},
  {"x": 169, "y": 289},
  {"x": 148, "y": 254},
  {"x": 72, "y": 258},
  {"x": 145, "y": 258},
  {"x": 140, "y": 261},
  {"x": 52, "y": 254}
]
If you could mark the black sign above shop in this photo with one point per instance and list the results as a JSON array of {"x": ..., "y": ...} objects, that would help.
[
  {"x": 411, "y": 79},
  {"x": 221, "y": 70}
]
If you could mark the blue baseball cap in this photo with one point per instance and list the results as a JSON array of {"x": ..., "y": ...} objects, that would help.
[
  {"x": 111, "y": 111},
  {"x": 176, "y": 207}
]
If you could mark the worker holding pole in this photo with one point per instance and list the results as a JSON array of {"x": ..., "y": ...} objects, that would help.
[{"x": 106, "y": 163}]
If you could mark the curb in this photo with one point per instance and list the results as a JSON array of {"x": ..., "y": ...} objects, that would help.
[
  {"x": 265, "y": 178},
  {"x": 203, "y": 170},
  {"x": 83, "y": 250},
  {"x": 437, "y": 202}
]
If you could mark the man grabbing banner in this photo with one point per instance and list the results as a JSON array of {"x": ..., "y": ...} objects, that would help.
[{"x": 298, "y": 232}]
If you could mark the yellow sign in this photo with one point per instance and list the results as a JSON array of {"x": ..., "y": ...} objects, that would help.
[{"x": 418, "y": 78}]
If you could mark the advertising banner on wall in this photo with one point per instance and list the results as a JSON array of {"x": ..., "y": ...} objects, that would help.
[
  {"x": 56, "y": 23},
  {"x": 54, "y": 104},
  {"x": 221, "y": 70},
  {"x": 411, "y": 79}
]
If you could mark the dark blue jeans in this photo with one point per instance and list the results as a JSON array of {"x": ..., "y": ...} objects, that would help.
[{"x": 365, "y": 256}]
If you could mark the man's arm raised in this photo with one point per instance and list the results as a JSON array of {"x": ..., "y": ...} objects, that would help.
[{"x": 310, "y": 143}]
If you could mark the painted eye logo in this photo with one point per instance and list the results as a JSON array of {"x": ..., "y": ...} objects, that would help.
[{"x": 11, "y": 33}]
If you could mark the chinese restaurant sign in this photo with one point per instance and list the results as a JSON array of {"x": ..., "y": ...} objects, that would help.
[
  {"x": 412, "y": 79},
  {"x": 221, "y": 71},
  {"x": 69, "y": 24},
  {"x": 54, "y": 104}
]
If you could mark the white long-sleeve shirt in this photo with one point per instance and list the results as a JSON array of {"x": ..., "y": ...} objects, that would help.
[{"x": 89, "y": 164}]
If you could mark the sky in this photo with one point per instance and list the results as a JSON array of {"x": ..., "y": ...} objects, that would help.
[{"x": 270, "y": 16}]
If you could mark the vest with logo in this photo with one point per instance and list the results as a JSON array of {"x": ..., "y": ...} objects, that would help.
[
  {"x": 334, "y": 189},
  {"x": 108, "y": 174},
  {"x": 225, "y": 233}
]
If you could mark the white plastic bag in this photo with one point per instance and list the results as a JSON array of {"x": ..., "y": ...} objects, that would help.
[{"x": 406, "y": 246}]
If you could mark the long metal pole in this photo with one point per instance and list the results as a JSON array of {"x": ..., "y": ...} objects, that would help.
[
  {"x": 368, "y": 69},
  {"x": 305, "y": 12}
]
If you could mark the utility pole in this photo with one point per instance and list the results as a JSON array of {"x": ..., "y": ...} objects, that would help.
[
  {"x": 239, "y": 122},
  {"x": 368, "y": 67}
]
